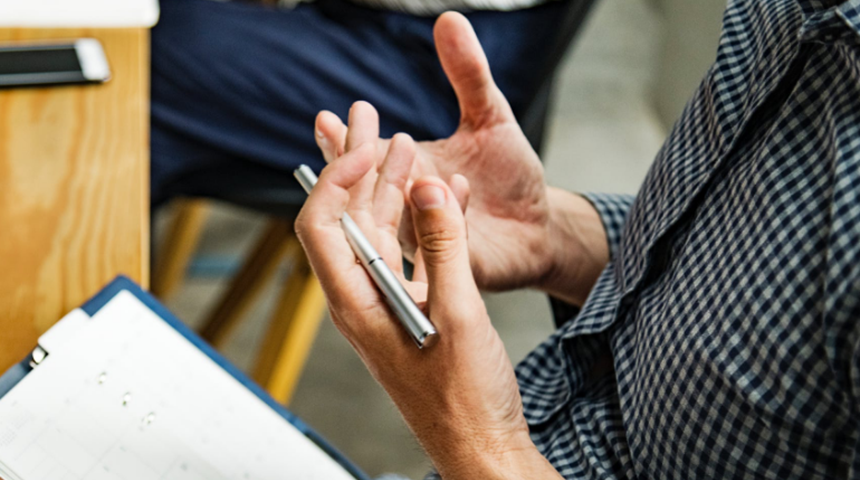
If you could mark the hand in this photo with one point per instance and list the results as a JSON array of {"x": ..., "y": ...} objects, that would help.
[
  {"x": 508, "y": 213},
  {"x": 459, "y": 397}
]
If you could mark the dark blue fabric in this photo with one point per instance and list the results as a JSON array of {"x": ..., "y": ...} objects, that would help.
[{"x": 234, "y": 83}]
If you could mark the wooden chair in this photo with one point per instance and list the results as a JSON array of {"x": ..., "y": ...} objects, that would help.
[{"x": 295, "y": 321}]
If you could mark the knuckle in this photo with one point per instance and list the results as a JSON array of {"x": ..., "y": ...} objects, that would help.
[
  {"x": 300, "y": 226},
  {"x": 306, "y": 228},
  {"x": 438, "y": 245}
]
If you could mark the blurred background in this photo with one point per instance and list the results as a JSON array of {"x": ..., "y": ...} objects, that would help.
[{"x": 624, "y": 81}]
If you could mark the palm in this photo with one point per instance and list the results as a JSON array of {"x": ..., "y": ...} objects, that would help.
[{"x": 507, "y": 211}]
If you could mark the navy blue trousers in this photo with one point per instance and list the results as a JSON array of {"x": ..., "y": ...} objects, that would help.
[{"x": 236, "y": 84}]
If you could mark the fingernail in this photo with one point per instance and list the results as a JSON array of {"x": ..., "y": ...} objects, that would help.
[
  {"x": 324, "y": 144},
  {"x": 427, "y": 197}
]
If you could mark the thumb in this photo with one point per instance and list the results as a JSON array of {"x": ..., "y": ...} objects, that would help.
[
  {"x": 440, "y": 230},
  {"x": 465, "y": 64}
]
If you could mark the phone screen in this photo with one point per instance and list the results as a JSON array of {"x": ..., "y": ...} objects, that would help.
[
  {"x": 40, "y": 65},
  {"x": 16, "y": 61}
]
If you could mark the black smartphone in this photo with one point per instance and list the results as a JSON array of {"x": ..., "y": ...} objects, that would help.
[{"x": 73, "y": 62}]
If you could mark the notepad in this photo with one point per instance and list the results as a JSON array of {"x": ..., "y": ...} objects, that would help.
[{"x": 122, "y": 395}]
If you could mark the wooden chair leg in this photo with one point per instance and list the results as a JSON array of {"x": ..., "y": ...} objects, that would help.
[
  {"x": 178, "y": 247},
  {"x": 291, "y": 331},
  {"x": 246, "y": 285}
]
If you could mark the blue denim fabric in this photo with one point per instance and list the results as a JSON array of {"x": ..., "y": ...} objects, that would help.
[{"x": 235, "y": 83}]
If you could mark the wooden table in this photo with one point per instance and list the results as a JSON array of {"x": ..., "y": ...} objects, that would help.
[{"x": 74, "y": 187}]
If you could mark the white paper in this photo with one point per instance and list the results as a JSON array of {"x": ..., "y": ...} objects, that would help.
[
  {"x": 78, "y": 13},
  {"x": 130, "y": 398},
  {"x": 64, "y": 331}
]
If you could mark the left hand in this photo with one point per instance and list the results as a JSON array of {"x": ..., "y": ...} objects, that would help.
[
  {"x": 508, "y": 214},
  {"x": 460, "y": 397}
]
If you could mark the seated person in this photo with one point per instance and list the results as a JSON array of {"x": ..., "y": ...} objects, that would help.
[
  {"x": 719, "y": 330},
  {"x": 237, "y": 84}
]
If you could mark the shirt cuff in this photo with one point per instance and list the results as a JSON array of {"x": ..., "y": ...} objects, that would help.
[{"x": 612, "y": 209}]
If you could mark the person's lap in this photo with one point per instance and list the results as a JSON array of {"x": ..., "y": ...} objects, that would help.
[{"x": 235, "y": 83}]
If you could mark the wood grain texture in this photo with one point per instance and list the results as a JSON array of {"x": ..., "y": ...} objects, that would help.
[{"x": 74, "y": 180}]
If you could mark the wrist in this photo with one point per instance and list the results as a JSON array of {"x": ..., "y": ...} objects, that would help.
[
  {"x": 516, "y": 459},
  {"x": 577, "y": 247}
]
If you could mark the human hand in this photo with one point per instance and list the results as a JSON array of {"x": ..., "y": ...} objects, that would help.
[
  {"x": 508, "y": 213},
  {"x": 459, "y": 397}
]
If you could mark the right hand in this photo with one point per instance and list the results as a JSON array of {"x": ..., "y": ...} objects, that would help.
[
  {"x": 460, "y": 396},
  {"x": 508, "y": 212}
]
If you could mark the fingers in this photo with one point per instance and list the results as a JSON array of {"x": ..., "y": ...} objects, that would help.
[
  {"x": 335, "y": 183},
  {"x": 460, "y": 187},
  {"x": 330, "y": 134},
  {"x": 465, "y": 64},
  {"x": 363, "y": 125},
  {"x": 388, "y": 197},
  {"x": 419, "y": 273},
  {"x": 318, "y": 225},
  {"x": 440, "y": 229},
  {"x": 363, "y": 129},
  {"x": 334, "y": 138}
]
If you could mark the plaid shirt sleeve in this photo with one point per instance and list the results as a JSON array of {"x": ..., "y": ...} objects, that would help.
[
  {"x": 612, "y": 209},
  {"x": 847, "y": 321},
  {"x": 842, "y": 280},
  {"x": 855, "y": 379}
]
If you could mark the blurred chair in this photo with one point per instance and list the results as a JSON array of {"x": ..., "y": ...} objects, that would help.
[{"x": 295, "y": 321}]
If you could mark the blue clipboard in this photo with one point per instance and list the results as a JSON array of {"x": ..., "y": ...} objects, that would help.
[{"x": 17, "y": 372}]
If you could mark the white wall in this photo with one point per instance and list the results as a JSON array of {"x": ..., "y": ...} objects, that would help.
[{"x": 691, "y": 31}]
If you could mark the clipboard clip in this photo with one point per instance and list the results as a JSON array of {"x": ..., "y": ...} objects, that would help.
[
  {"x": 39, "y": 354},
  {"x": 60, "y": 334}
]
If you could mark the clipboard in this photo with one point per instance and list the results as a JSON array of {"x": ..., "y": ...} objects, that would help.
[{"x": 66, "y": 329}]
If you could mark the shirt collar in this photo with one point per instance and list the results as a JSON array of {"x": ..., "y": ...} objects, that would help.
[
  {"x": 849, "y": 11},
  {"x": 826, "y": 20}
]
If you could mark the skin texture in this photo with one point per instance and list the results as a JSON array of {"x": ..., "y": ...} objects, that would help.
[{"x": 473, "y": 212}]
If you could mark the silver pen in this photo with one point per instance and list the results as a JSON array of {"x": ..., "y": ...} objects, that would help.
[{"x": 410, "y": 316}]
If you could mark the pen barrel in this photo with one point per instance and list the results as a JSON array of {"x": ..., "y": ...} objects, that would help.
[
  {"x": 359, "y": 243},
  {"x": 411, "y": 317},
  {"x": 306, "y": 177}
]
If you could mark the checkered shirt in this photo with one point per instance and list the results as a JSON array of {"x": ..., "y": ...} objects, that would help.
[{"x": 723, "y": 339}]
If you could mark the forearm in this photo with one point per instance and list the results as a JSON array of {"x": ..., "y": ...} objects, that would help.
[{"x": 578, "y": 247}]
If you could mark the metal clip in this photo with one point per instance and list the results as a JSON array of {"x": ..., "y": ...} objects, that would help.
[{"x": 37, "y": 357}]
